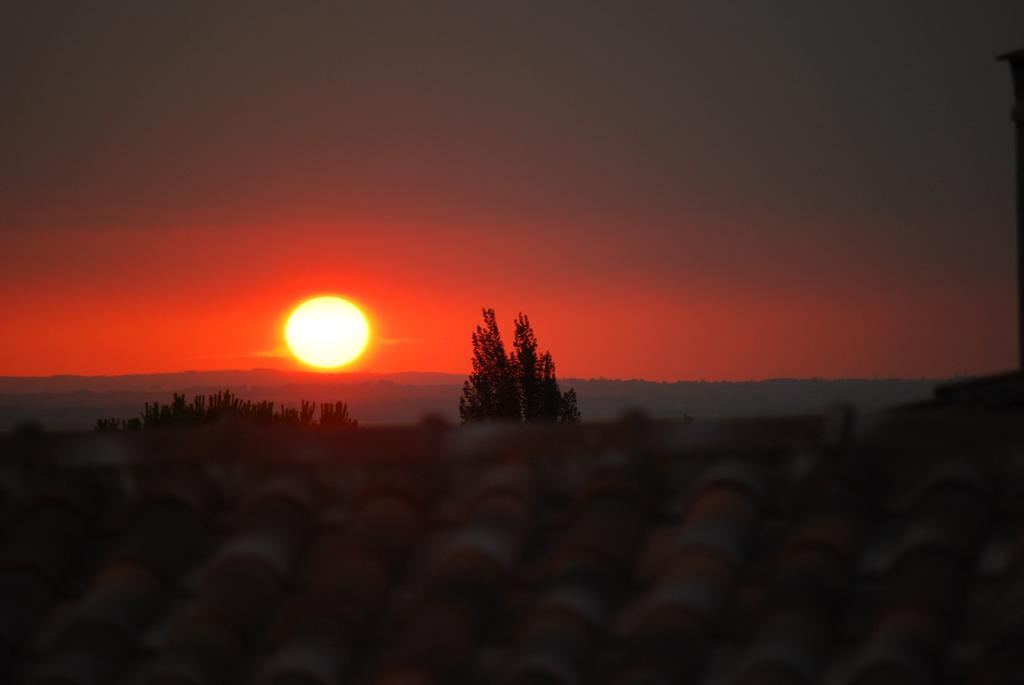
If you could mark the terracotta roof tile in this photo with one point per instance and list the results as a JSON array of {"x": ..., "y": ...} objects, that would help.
[{"x": 638, "y": 554}]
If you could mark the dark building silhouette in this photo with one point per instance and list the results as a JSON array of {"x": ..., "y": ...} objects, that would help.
[
  {"x": 1006, "y": 390},
  {"x": 1016, "y": 61}
]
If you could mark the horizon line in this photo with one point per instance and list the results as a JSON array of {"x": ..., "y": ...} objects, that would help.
[{"x": 352, "y": 374}]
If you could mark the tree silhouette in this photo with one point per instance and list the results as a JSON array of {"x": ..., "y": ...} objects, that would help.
[
  {"x": 520, "y": 386},
  {"x": 550, "y": 404},
  {"x": 569, "y": 411},
  {"x": 211, "y": 408},
  {"x": 526, "y": 368},
  {"x": 490, "y": 392}
]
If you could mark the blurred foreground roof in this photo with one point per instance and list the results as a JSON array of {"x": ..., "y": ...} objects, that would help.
[{"x": 805, "y": 550}]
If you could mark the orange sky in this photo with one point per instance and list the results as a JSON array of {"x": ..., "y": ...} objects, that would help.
[
  {"x": 163, "y": 299},
  {"x": 696, "y": 190}
]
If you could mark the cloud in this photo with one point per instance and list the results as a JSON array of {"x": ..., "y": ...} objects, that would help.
[
  {"x": 276, "y": 353},
  {"x": 404, "y": 341}
]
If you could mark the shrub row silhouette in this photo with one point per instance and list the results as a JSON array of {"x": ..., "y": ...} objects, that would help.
[
  {"x": 210, "y": 408},
  {"x": 520, "y": 386}
]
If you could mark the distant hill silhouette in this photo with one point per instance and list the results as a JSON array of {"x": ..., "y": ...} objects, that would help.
[
  {"x": 195, "y": 379},
  {"x": 75, "y": 402}
]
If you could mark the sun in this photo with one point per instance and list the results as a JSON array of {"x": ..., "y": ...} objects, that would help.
[{"x": 327, "y": 332}]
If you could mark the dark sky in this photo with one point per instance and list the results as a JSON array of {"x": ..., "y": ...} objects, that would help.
[{"x": 677, "y": 190}]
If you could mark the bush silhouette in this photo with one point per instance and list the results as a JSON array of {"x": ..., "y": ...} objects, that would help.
[
  {"x": 520, "y": 386},
  {"x": 211, "y": 408}
]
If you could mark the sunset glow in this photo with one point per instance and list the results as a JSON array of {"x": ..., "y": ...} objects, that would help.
[
  {"x": 327, "y": 332},
  {"x": 605, "y": 175}
]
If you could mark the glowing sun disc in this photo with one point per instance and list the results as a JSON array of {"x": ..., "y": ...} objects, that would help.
[{"x": 327, "y": 332}]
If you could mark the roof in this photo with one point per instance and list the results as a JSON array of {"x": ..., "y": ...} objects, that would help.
[{"x": 784, "y": 551}]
